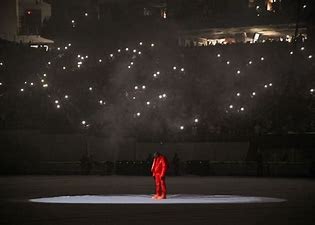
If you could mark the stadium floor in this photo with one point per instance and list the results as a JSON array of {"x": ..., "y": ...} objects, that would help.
[{"x": 16, "y": 209}]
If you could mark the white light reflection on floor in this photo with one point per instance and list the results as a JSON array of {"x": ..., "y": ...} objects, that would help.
[{"x": 146, "y": 199}]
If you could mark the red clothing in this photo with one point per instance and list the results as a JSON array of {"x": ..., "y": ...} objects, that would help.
[{"x": 159, "y": 168}]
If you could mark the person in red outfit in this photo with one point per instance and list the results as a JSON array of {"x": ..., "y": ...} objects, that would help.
[{"x": 158, "y": 169}]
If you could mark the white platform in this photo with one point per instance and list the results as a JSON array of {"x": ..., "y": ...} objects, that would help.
[{"x": 146, "y": 199}]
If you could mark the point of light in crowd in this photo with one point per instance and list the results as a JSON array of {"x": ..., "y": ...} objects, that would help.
[
  {"x": 49, "y": 63},
  {"x": 262, "y": 58},
  {"x": 143, "y": 87},
  {"x": 312, "y": 90},
  {"x": 25, "y": 82},
  {"x": 111, "y": 55},
  {"x": 304, "y": 6},
  {"x": 69, "y": 44},
  {"x": 58, "y": 106},
  {"x": 250, "y": 62},
  {"x": 136, "y": 87},
  {"x": 90, "y": 88},
  {"x": 79, "y": 63},
  {"x": 238, "y": 72},
  {"x": 56, "y": 101},
  {"x": 72, "y": 21},
  {"x": 1, "y": 63},
  {"x": 174, "y": 67},
  {"x": 291, "y": 53},
  {"x": 140, "y": 43},
  {"x": 139, "y": 53},
  {"x": 31, "y": 83},
  {"x": 133, "y": 97},
  {"x": 302, "y": 48},
  {"x": 45, "y": 85},
  {"x": 242, "y": 108},
  {"x": 138, "y": 113},
  {"x": 127, "y": 49},
  {"x": 82, "y": 57},
  {"x": 79, "y": 66},
  {"x": 83, "y": 122},
  {"x": 160, "y": 96},
  {"x": 86, "y": 56},
  {"x": 257, "y": 7},
  {"x": 129, "y": 67},
  {"x": 134, "y": 50},
  {"x": 100, "y": 60},
  {"x": 63, "y": 67},
  {"x": 182, "y": 69},
  {"x": 254, "y": 93},
  {"x": 86, "y": 14},
  {"x": 79, "y": 56},
  {"x": 118, "y": 50},
  {"x": 227, "y": 62},
  {"x": 131, "y": 63},
  {"x": 152, "y": 45},
  {"x": 164, "y": 95},
  {"x": 196, "y": 120},
  {"x": 258, "y": 14},
  {"x": 148, "y": 103},
  {"x": 270, "y": 84},
  {"x": 265, "y": 86},
  {"x": 310, "y": 56},
  {"x": 22, "y": 89},
  {"x": 0, "y": 83},
  {"x": 158, "y": 72},
  {"x": 100, "y": 101},
  {"x": 58, "y": 48},
  {"x": 218, "y": 55},
  {"x": 66, "y": 96},
  {"x": 154, "y": 75},
  {"x": 231, "y": 106},
  {"x": 66, "y": 47},
  {"x": 181, "y": 127},
  {"x": 44, "y": 74},
  {"x": 238, "y": 94}
]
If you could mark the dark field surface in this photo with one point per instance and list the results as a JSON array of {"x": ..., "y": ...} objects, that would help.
[{"x": 16, "y": 210}]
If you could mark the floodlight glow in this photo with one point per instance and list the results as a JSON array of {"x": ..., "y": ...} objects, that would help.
[
  {"x": 140, "y": 43},
  {"x": 310, "y": 56},
  {"x": 238, "y": 94},
  {"x": 100, "y": 60},
  {"x": 148, "y": 103},
  {"x": 56, "y": 101},
  {"x": 86, "y": 14},
  {"x": 262, "y": 58},
  {"x": 22, "y": 89},
  {"x": 111, "y": 55},
  {"x": 196, "y": 120},
  {"x": 182, "y": 69},
  {"x": 152, "y": 45},
  {"x": 136, "y": 87},
  {"x": 127, "y": 49},
  {"x": 218, "y": 55},
  {"x": 238, "y": 72},
  {"x": 270, "y": 84},
  {"x": 164, "y": 95},
  {"x": 58, "y": 106},
  {"x": 90, "y": 88},
  {"x": 231, "y": 106},
  {"x": 174, "y": 67},
  {"x": 228, "y": 62},
  {"x": 143, "y": 87},
  {"x": 83, "y": 122},
  {"x": 66, "y": 96},
  {"x": 291, "y": 53},
  {"x": 181, "y": 127},
  {"x": 138, "y": 113}
]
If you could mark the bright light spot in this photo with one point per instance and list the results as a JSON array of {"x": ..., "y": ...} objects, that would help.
[
  {"x": 66, "y": 47},
  {"x": 118, "y": 50},
  {"x": 291, "y": 53},
  {"x": 127, "y": 49},
  {"x": 250, "y": 62},
  {"x": 182, "y": 69},
  {"x": 82, "y": 57},
  {"x": 270, "y": 84},
  {"x": 69, "y": 44},
  {"x": 164, "y": 95},
  {"x": 83, "y": 122},
  {"x": 258, "y": 15},
  {"x": 160, "y": 96},
  {"x": 265, "y": 86},
  {"x": 58, "y": 49},
  {"x": 238, "y": 72},
  {"x": 310, "y": 56},
  {"x": 56, "y": 101},
  {"x": 25, "y": 82},
  {"x": 134, "y": 50},
  {"x": 32, "y": 83},
  {"x": 257, "y": 7},
  {"x": 100, "y": 101},
  {"x": 181, "y": 127},
  {"x": 227, "y": 62},
  {"x": 58, "y": 106},
  {"x": 133, "y": 97},
  {"x": 49, "y": 63},
  {"x": 86, "y": 14},
  {"x": 231, "y": 106},
  {"x": 72, "y": 21},
  {"x": 79, "y": 66},
  {"x": 312, "y": 90},
  {"x": 262, "y": 58},
  {"x": 63, "y": 67},
  {"x": 22, "y": 89},
  {"x": 304, "y": 6},
  {"x": 100, "y": 60},
  {"x": 174, "y": 67},
  {"x": 111, "y": 55},
  {"x": 242, "y": 108},
  {"x": 45, "y": 85},
  {"x": 0, "y": 84},
  {"x": 152, "y": 45},
  {"x": 143, "y": 87},
  {"x": 218, "y": 55},
  {"x": 129, "y": 67},
  {"x": 238, "y": 94},
  {"x": 154, "y": 75},
  {"x": 79, "y": 63},
  {"x": 148, "y": 103},
  {"x": 138, "y": 114},
  {"x": 79, "y": 56},
  {"x": 66, "y": 96},
  {"x": 139, "y": 53},
  {"x": 44, "y": 74},
  {"x": 158, "y": 72},
  {"x": 254, "y": 93},
  {"x": 196, "y": 120},
  {"x": 302, "y": 48},
  {"x": 140, "y": 43},
  {"x": 136, "y": 87},
  {"x": 90, "y": 88},
  {"x": 86, "y": 56},
  {"x": 131, "y": 63}
]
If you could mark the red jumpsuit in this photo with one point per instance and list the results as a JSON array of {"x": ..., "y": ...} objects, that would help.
[{"x": 159, "y": 168}]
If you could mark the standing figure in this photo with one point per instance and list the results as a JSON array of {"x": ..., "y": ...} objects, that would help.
[{"x": 158, "y": 169}]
